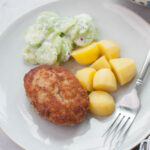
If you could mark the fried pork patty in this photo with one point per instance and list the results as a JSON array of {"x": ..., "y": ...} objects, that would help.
[{"x": 56, "y": 94}]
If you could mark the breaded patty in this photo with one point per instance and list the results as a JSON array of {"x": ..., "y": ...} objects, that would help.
[{"x": 56, "y": 94}]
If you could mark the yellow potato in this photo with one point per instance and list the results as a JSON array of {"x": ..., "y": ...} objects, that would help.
[
  {"x": 85, "y": 77},
  {"x": 101, "y": 103},
  {"x": 109, "y": 48},
  {"x": 124, "y": 68},
  {"x": 101, "y": 63},
  {"x": 86, "y": 55},
  {"x": 104, "y": 79}
]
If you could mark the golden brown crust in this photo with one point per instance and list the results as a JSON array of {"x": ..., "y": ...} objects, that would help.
[{"x": 56, "y": 94}]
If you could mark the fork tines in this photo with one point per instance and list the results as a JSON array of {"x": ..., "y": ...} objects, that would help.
[{"x": 119, "y": 128}]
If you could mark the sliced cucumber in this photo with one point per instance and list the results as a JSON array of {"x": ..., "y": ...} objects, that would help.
[
  {"x": 83, "y": 23},
  {"x": 66, "y": 49},
  {"x": 53, "y": 37},
  {"x": 63, "y": 24},
  {"x": 47, "y": 17},
  {"x": 73, "y": 32},
  {"x": 86, "y": 30},
  {"x": 86, "y": 38},
  {"x": 35, "y": 35},
  {"x": 56, "y": 41},
  {"x": 46, "y": 54},
  {"x": 29, "y": 55}
]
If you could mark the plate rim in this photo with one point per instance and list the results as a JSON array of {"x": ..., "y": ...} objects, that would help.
[{"x": 14, "y": 21}]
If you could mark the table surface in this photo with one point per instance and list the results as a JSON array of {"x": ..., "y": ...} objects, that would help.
[{"x": 11, "y": 9}]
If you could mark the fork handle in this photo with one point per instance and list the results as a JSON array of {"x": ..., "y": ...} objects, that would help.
[{"x": 142, "y": 74}]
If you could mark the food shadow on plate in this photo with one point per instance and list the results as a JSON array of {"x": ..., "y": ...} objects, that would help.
[
  {"x": 47, "y": 130},
  {"x": 122, "y": 90},
  {"x": 102, "y": 120}
]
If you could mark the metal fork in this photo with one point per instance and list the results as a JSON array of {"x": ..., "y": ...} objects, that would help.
[
  {"x": 126, "y": 112},
  {"x": 145, "y": 144}
]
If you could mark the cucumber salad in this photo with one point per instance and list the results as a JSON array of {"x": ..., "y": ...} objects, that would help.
[{"x": 52, "y": 38}]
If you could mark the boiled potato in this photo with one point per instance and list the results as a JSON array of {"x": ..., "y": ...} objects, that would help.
[
  {"x": 86, "y": 55},
  {"x": 124, "y": 68},
  {"x": 109, "y": 48},
  {"x": 104, "y": 79},
  {"x": 85, "y": 77},
  {"x": 101, "y": 103},
  {"x": 101, "y": 63}
]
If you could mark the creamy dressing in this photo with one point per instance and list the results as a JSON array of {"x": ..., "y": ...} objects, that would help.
[{"x": 52, "y": 38}]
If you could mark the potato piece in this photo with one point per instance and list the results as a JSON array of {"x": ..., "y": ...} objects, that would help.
[
  {"x": 124, "y": 68},
  {"x": 101, "y": 103},
  {"x": 109, "y": 48},
  {"x": 85, "y": 77},
  {"x": 104, "y": 79},
  {"x": 86, "y": 55},
  {"x": 101, "y": 63}
]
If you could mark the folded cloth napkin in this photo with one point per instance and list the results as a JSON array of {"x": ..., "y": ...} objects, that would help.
[
  {"x": 142, "y": 2},
  {"x": 145, "y": 145}
]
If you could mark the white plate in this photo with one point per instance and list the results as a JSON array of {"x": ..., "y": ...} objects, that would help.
[{"x": 23, "y": 125}]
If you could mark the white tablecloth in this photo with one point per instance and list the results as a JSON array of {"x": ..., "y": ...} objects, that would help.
[{"x": 11, "y": 9}]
